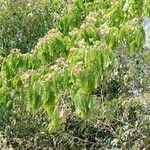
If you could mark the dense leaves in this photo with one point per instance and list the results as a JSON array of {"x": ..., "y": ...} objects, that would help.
[
  {"x": 92, "y": 55},
  {"x": 22, "y": 23}
]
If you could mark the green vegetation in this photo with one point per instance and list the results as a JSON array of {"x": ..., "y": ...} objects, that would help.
[
  {"x": 22, "y": 23},
  {"x": 85, "y": 82}
]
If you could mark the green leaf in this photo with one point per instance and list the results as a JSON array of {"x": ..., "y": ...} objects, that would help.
[{"x": 49, "y": 100}]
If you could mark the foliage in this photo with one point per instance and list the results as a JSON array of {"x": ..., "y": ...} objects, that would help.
[
  {"x": 22, "y": 23},
  {"x": 71, "y": 65},
  {"x": 92, "y": 56},
  {"x": 109, "y": 127}
]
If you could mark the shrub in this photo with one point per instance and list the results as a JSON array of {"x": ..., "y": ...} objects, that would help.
[
  {"x": 93, "y": 47},
  {"x": 22, "y": 23}
]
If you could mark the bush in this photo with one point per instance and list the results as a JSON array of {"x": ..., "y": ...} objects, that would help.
[
  {"x": 88, "y": 71},
  {"x": 22, "y": 23}
]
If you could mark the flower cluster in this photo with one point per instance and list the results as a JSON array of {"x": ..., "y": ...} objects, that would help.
[
  {"x": 69, "y": 6},
  {"x": 59, "y": 64},
  {"x": 82, "y": 44},
  {"x": 26, "y": 75},
  {"x": 78, "y": 69},
  {"x": 104, "y": 30},
  {"x": 74, "y": 32},
  {"x": 56, "y": 16},
  {"x": 73, "y": 49},
  {"x": 90, "y": 20},
  {"x": 49, "y": 37}
]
